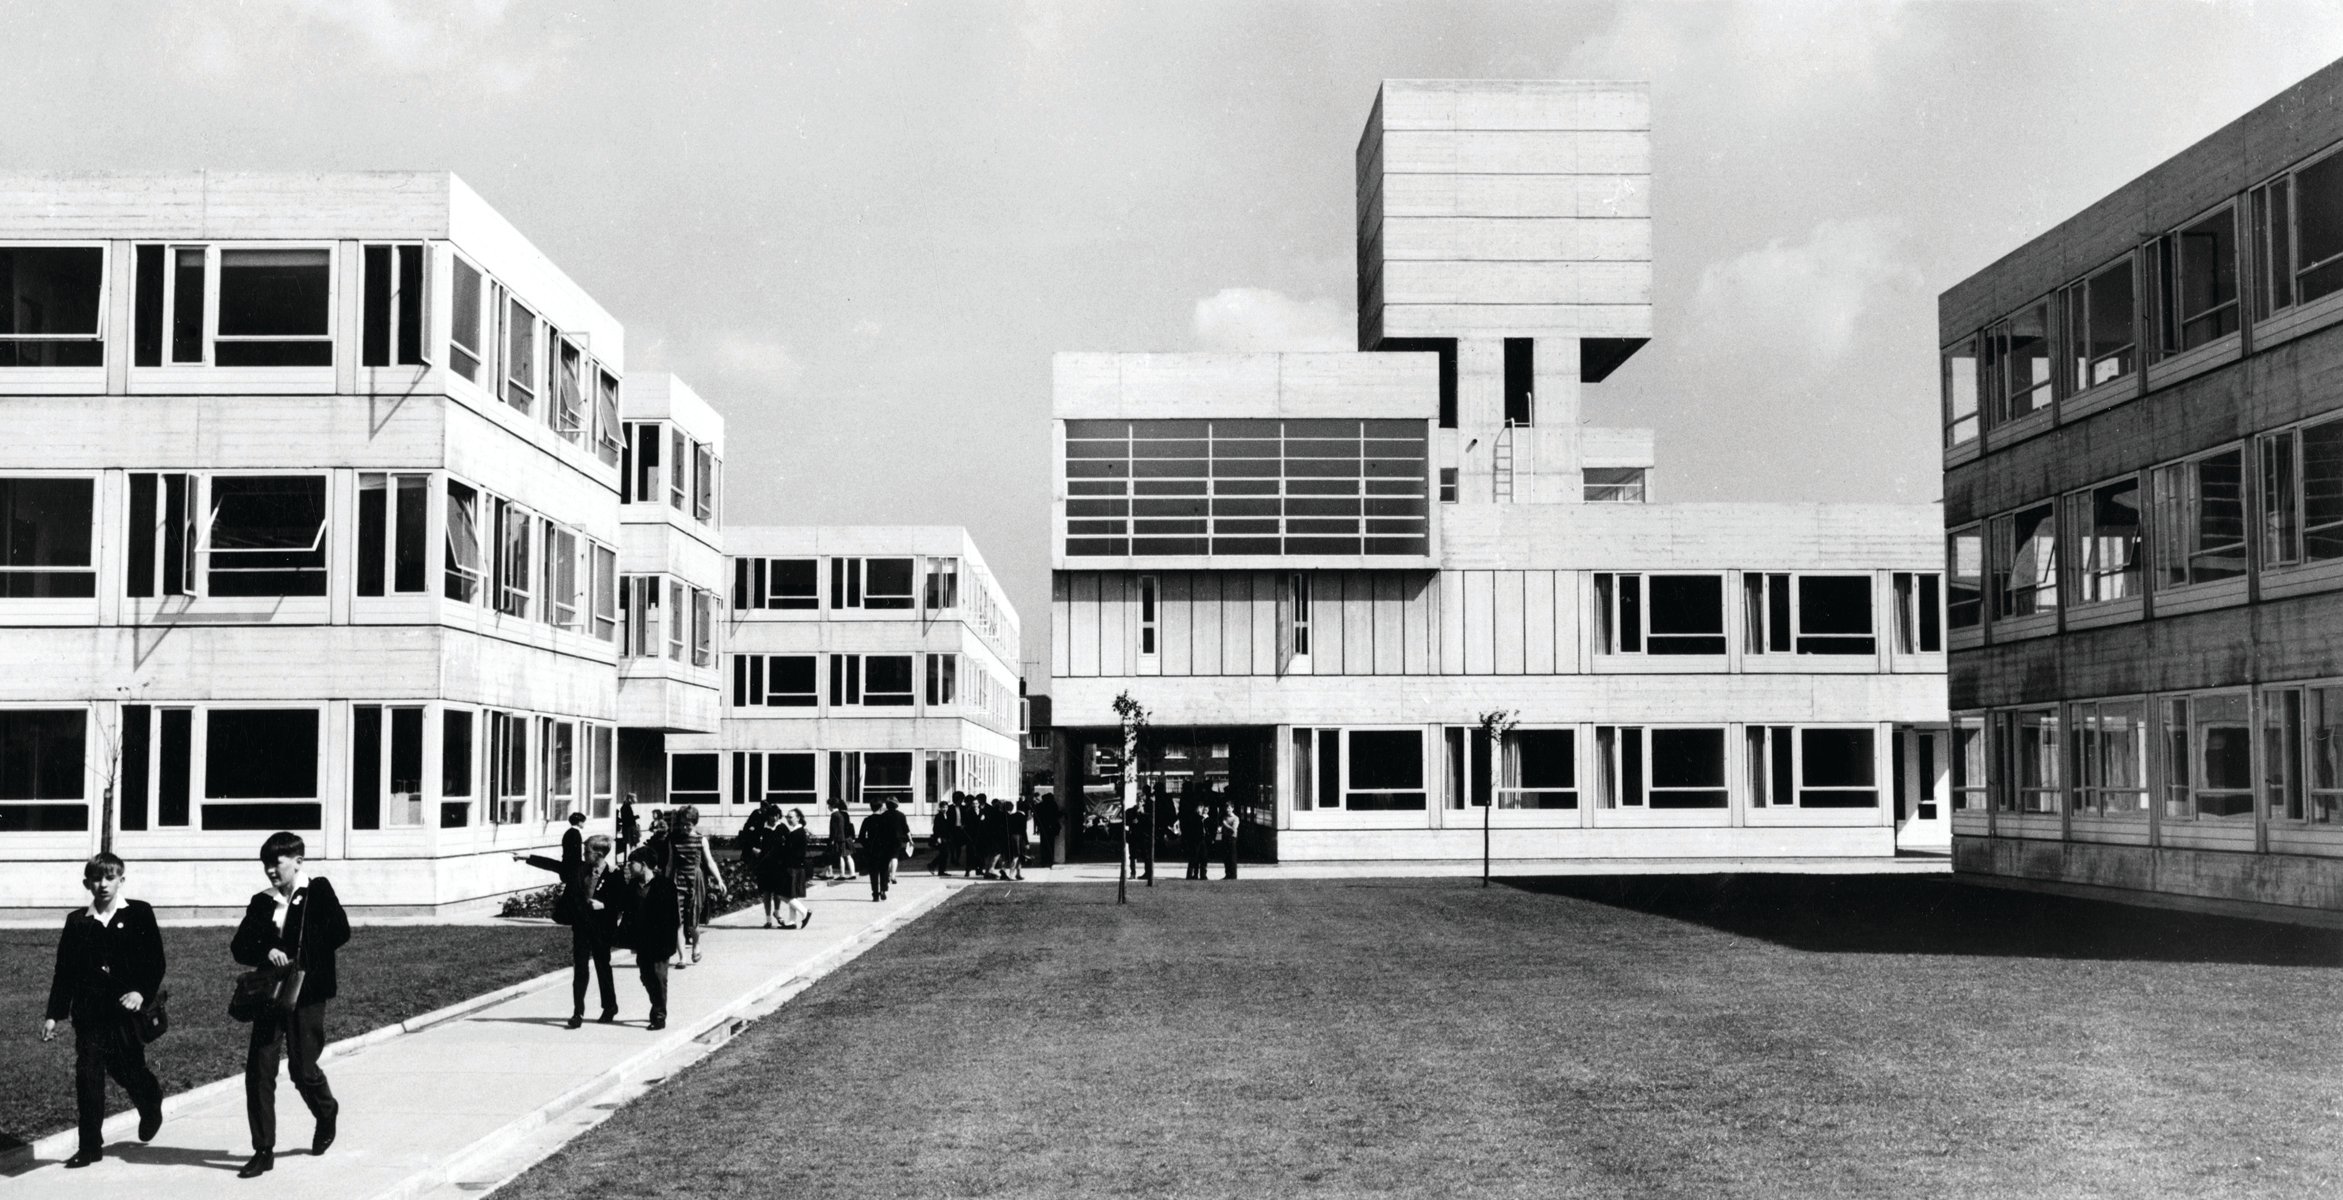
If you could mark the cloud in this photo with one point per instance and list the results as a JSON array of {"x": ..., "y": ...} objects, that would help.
[
  {"x": 759, "y": 356},
  {"x": 397, "y": 37},
  {"x": 1808, "y": 299},
  {"x": 1261, "y": 319}
]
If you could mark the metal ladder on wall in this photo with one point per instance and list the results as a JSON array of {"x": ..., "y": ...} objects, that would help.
[{"x": 1502, "y": 465}]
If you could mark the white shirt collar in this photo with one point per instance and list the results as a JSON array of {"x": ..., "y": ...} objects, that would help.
[{"x": 107, "y": 917}]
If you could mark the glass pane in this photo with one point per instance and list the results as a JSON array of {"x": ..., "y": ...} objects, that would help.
[
  {"x": 267, "y": 536},
  {"x": 2111, "y": 543},
  {"x": 1386, "y": 760},
  {"x": 2318, "y": 202},
  {"x": 1686, "y": 614},
  {"x": 274, "y": 293},
  {"x": 2218, "y": 546},
  {"x": 263, "y": 753},
  {"x": 41, "y": 754},
  {"x": 2111, "y": 349},
  {"x": 2322, "y": 490},
  {"x": 1960, "y": 393},
  {"x": 50, "y": 290}
]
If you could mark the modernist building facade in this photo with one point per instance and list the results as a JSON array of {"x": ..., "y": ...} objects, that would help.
[
  {"x": 1319, "y": 571},
  {"x": 2144, "y": 501},
  {"x": 865, "y": 663},
  {"x": 314, "y": 522},
  {"x": 671, "y": 620}
]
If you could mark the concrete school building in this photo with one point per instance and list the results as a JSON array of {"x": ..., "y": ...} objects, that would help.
[
  {"x": 1317, "y": 571},
  {"x": 320, "y": 498},
  {"x": 2144, "y": 507},
  {"x": 866, "y": 663}
]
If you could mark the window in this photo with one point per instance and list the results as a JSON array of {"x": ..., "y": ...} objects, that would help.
[
  {"x": 789, "y": 779},
  {"x": 162, "y": 537},
  {"x": 557, "y": 774},
  {"x": 1660, "y": 614},
  {"x": 703, "y": 628},
  {"x": 638, "y": 616},
  {"x": 464, "y": 577},
  {"x": 602, "y": 770},
  {"x": 886, "y": 679},
  {"x": 566, "y": 380},
  {"x": 870, "y": 583},
  {"x": 2102, "y": 327},
  {"x": 260, "y": 769},
  {"x": 520, "y": 356},
  {"x": 1970, "y": 783},
  {"x": 508, "y": 768},
  {"x": 2034, "y": 761},
  {"x": 1448, "y": 485},
  {"x": 1383, "y": 769},
  {"x": 2106, "y": 542},
  {"x": 2200, "y": 519},
  {"x": 609, "y": 434},
  {"x": 1537, "y": 768},
  {"x": 1148, "y": 615},
  {"x": 1656, "y": 768},
  {"x": 42, "y": 765},
  {"x": 2208, "y": 758},
  {"x": 2196, "y": 272},
  {"x": 2025, "y": 562},
  {"x": 943, "y": 679},
  {"x": 391, "y": 333},
  {"x": 1520, "y": 381},
  {"x": 943, "y": 584},
  {"x": 1960, "y": 377},
  {"x": 644, "y": 439},
  {"x": 678, "y": 619},
  {"x": 1614, "y": 485},
  {"x": 1964, "y": 597},
  {"x": 1919, "y": 612},
  {"x": 2302, "y": 494},
  {"x": 703, "y": 483},
  {"x": 605, "y": 600},
  {"x": 50, "y": 305},
  {"x": 2020, "y": 370},
  {"x": 455, "y": 768},
  {"x": 275, "y": 309},
  {"x": 560, "y": 588},
  {"x": 1812, "y": 768},
  {"x": 45, "y": 535},
  {"x": 774, "y": 680},
  {"x": 386, "y": 789},
  {"x": 265, "y": 536},
  {"x": 2323, "y": 732},
  {"x": 779, "y": 583},
  {"x": 881, "y": 776},
  {"x": 1813, "y": 614},
  {"x": 467, "y": 335},
  {"x": 2282, "y": 779},
  {"x": 1297, "y": 614},
  {"x": 2110, "y": 758},
  {"x": 678, "y": 466},
  {"x": 393, "y": 515},
  {"x": 512, "y": 559},
  {"x": 2298, "y": 236},
  {"x": 693, "y": 779}
]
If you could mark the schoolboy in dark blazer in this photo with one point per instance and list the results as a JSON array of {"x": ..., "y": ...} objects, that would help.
[
  {"x": 109, "y": 966},
  {"x": 296, "y": 915}
]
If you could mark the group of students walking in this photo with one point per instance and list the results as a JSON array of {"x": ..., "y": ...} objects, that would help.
[
  {"x": 989, "y": 838},
  {"x": 109, "y": 982}
]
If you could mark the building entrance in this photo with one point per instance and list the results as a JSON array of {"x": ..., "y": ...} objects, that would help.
[{"x": 1183, "y": 772}]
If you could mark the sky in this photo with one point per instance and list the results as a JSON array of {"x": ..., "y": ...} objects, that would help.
[{"x": 862, "y": 229}]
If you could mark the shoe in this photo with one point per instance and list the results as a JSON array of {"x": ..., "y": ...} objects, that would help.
[
  {"x": 809, "y": 919},
  {"x": 769, "y": 923},
  {"x": 576, "y": 1020},
  {"x": 150, "y": 1124},
  {"x": 323, "y": 1139},
  {"x": 657, "y": 1023},
  {"x": 83, "y": 1158},
  {"x": 609, "y": 1015},
  {"x": 258, "y": 1165},
  {"x": 695, "y": 954}
]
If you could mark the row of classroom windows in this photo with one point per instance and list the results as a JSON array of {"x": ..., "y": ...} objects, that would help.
[
  {"x": 2198, "y": 756},
  {"x": 794, "y": 681},
  {"x": 2202, "y": 281},
  {"x": 809, "y": 779},
  {"x": 881, "y": 583},
  {"x": 1631, "y": 767},
  {"x": 2201, "y": 511},
  {"x": 229, "y": 768}
]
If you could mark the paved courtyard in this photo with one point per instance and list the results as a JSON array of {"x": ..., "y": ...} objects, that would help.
[{"x": 1736, "y": 1036}]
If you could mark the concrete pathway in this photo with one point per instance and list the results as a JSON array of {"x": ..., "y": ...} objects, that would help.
[
  {"x": 426, "y": 1110},
  {"x": 1171, "y": 870}
]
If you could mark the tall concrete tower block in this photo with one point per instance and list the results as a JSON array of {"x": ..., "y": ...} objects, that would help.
[{"x": 1506, "y": 225}]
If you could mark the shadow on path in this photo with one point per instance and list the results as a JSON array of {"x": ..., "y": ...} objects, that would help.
[{"x": 1853, "y": 914}]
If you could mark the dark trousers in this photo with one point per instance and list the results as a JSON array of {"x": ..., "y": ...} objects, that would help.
[
  {"x": 1228, "y": 859},
  {"x": 300, "y": 1038},
  {"x": 1047, "y": 851},
  {"x": 882, "y": 875},
  {"x": 943, "y": 863},
  {"x": 590, "y": 946},
  {"x": 654, "y": 976},
  {"x": 109, "y": 1047}
]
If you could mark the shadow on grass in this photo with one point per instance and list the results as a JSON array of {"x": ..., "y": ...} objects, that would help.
[{"x": 1854, "y": 914}]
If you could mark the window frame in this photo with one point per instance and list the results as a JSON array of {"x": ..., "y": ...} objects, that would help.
[
  {"x": 2171, "y": 261},
  {"x": 208, "y": 334},
  {"x": 86, "y": 571},
  {"x": 1761, "y": 622},
  {"x": 394, "y": 528},
  {"x": 1777, "y": 786},
  {"x": 2079, "y": 301},
  {"x": 321, "y": 544},
  {"x": 1614, "y": 599},
  {"x": 2174, "y": 521},
  {"x": 2084, "y": 546},
  {"x": 2091, "y": 793},
  {"x": 35, "y": 375}
]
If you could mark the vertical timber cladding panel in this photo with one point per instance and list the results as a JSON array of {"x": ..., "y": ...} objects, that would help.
[
  {"x": 1172, "y": 622},
  {"x": 1263, "y": 614},
  {"x": 1326, "y": 623},
  {"x": 1084, "y": 624},
  {"x": 1061, "y": 630},
  {"x": 1358, "y": 623},
  {"x": 1480, "y": 634},
  {"x": 1236, "y": 623},
  {"x": 1506, "y": 625},
  {"x": 1570, "y": 592},
  {"x": 1451, "y": 617},
  {"x": 1204, "y": 623},
  {"x": 1537, "y": 622},
  {"x": 1418, "y": 625},
  {"x": 1114, "y": 642},
  {"x": 1390, "y": 623}
]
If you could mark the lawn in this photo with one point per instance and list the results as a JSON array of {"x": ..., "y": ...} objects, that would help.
[
  {"x": 1712, "y": 1036},
  {"x": 388, "y": 973}
]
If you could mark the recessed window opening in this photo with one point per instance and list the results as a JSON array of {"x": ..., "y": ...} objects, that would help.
[
  {"x": 393, "y": 519},
  {"x": 2301, "y": 484},
  {"x": 43, "y": 772},
  {"x": 2106, "y": 543},
  {"x": 2025, "y": 562},
  {"x": 276, "y": 309},
  {"x": 1147, "y": 615},
  {"x": 1383, "y": 770},
  {"x": 1520, "y": 381},
  {"x": 1919, "y": 612},
  {"x": 49, "y": 306},
  {"x": 1537, "y": 768},
  {"x": 2200, "y": 519},
  {"x": 1964, "y": 604},
  {"x": 2102, "y": 327},
  {"x": 2020, "y": 347},
  {"x": 520, "y": 356},
  {"x": 1960, "y": 375},
  {"x": 266, "y": 536},
  {"x": 1662, "y": 614},
  {"x": 464, "y": 574},
  {"x": 46, "y": 530},
  {"x": 943, "y": 584},
  {"x": 468, "y": 337},
  {"x": 391, "y": 332},
  {"x": 1812, "y": 767},
  {"x": 260, "y": 769},
  {"x": 1614, "y": 485},
  {"x": 2197, "y": 269}
]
